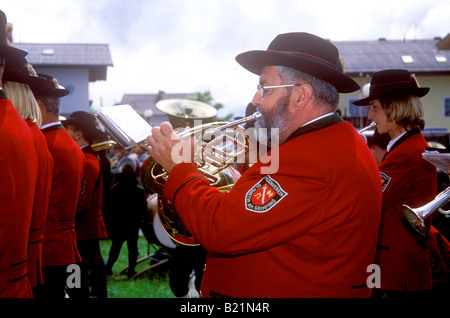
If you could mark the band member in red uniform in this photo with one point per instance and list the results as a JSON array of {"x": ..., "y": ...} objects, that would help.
[
  {"x": 395, "y": 106},
  {"x": 304, "y": 226},
  {"x": 60, "y": 246},
  {"x": 16, "y": 80},
  {"x": 89, "y": 224},
  {"x": 17, "y": 185}
]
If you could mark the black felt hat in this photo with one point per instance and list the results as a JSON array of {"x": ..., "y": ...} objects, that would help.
[
  {"x": 49, "y": 87},
  {"x": 86, "y": 122},
  {"x": 392, "y": 83},
  {"x": 19, "y": 70},
  {"x": 304, "y": 52}
]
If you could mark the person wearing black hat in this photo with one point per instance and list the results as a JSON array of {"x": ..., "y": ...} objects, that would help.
[
  {"x": 16, "y": 77},
  {"x": 303, "y": 226},
  {"x": 17, "y": 184},
  {"x": 89, "y": 224},
  {"x": 396, "y": 108},
  {"x": 60, "y": 246}
]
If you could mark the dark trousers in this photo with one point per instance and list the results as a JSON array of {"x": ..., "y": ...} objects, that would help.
[
  {"x": 186, "y": 259},
  {"x": 93, "y": 273},
  {"x": 116, "y": 246},
  {"x": 54, "y": 283}
]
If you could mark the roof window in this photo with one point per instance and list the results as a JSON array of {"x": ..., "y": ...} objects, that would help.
[
  {"x": 441, "y": 58},
  {"x": 407, "y": 59},
  {"x": 48, "y": 52}
]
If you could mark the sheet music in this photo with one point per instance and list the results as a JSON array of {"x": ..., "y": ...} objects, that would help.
[
  {"x": 440, "y": 160},
  {"x": 125, "y": 124}
]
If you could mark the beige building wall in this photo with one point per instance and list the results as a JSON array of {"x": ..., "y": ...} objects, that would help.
[{"x": 433, "y": 102}]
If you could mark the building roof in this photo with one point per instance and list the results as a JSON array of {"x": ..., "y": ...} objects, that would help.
[
  {"x": 418, "y": 56},
  {"x": 96, "y": 57}
]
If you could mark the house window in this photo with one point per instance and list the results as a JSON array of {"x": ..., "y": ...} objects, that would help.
[
  {"x": 446, "y": 102},
  {"x": 359, "y": 111}
]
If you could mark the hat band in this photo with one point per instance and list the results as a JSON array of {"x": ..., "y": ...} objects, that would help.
[
  {"x": 301, "y": 53},
  {"x": 390, "y": 83},
  {"x": 27, "y": 72}
]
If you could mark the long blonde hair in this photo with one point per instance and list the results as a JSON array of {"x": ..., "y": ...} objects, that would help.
[
  {"x": 23, "y": 100},
  {"x": 405, "y": 111}
]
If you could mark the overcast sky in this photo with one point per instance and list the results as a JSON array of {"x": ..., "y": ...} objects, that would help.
[{"x": 184, "y": 46}]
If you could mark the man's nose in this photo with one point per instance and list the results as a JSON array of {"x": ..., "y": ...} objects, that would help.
[
  {"x": 370, "y": 114},
  {"x": 256, "y": 99}
]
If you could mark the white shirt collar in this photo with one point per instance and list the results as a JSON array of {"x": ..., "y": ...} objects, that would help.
[
  {"x": 50, "y": 124},
  {"x": 393, "y": 141},
  {"x": 315, "y": 119}
]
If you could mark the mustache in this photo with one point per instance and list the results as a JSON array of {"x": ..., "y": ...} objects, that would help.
[{"x": 268, "y": 126}]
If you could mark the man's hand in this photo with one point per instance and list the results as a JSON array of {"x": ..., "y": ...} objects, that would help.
[{"x": 161, "y": 143}]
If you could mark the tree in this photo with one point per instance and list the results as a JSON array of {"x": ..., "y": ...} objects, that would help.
[{"x": 207, "y": 98}]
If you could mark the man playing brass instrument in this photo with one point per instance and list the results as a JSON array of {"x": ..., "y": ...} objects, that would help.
[
  {"x": 307, "y": 229},
  {"x": 395, "y": 107}
]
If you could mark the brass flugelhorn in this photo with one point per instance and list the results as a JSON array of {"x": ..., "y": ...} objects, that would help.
[
  {"x": 215, "y": 150},
  {"x": 418, "y": 217},
  {"x": 211, "y": 156}
]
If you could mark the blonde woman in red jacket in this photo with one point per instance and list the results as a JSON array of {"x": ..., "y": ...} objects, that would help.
[
  {"x": 17, "y": 185},
  {"x": 395, "y": 107},
  {"x": 308, "y": 225},
  {"x": 16, "y": 86}
]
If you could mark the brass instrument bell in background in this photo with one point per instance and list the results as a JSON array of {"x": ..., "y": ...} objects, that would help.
[{"x": 184, "y": 112}]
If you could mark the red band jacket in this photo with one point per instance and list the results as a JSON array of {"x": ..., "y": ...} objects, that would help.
[
  {"x": 60, "y": 246},
  {"x": 17, "y": 185},
  {"x": 307, "y": 229},
  {"x": 40, "y": 207},
  {"x": 404, "y": 257},
  {"x": 88, "y": 220}
]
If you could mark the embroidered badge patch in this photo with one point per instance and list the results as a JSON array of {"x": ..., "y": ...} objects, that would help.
[
  {"x": 264, "y": 195},
  {"x": 385, "y": 179}
]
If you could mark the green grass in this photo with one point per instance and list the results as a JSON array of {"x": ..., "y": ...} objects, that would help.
[{"x": 154, "y": 283}]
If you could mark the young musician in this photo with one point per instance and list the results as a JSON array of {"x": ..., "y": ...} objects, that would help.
[{"x": 396, "y": 108}]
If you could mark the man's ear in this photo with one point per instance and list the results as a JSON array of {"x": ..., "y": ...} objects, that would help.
[{"x": 302, "y": 96}]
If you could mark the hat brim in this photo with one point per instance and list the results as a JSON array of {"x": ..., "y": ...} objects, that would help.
[
  {"x": 419, "y": 91},
  {"x": 10, "y": 52},
  {"x": 20, "y": 77},
  {"x": 255, "y": 61},
  {"x": 52, "y": 92}
]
